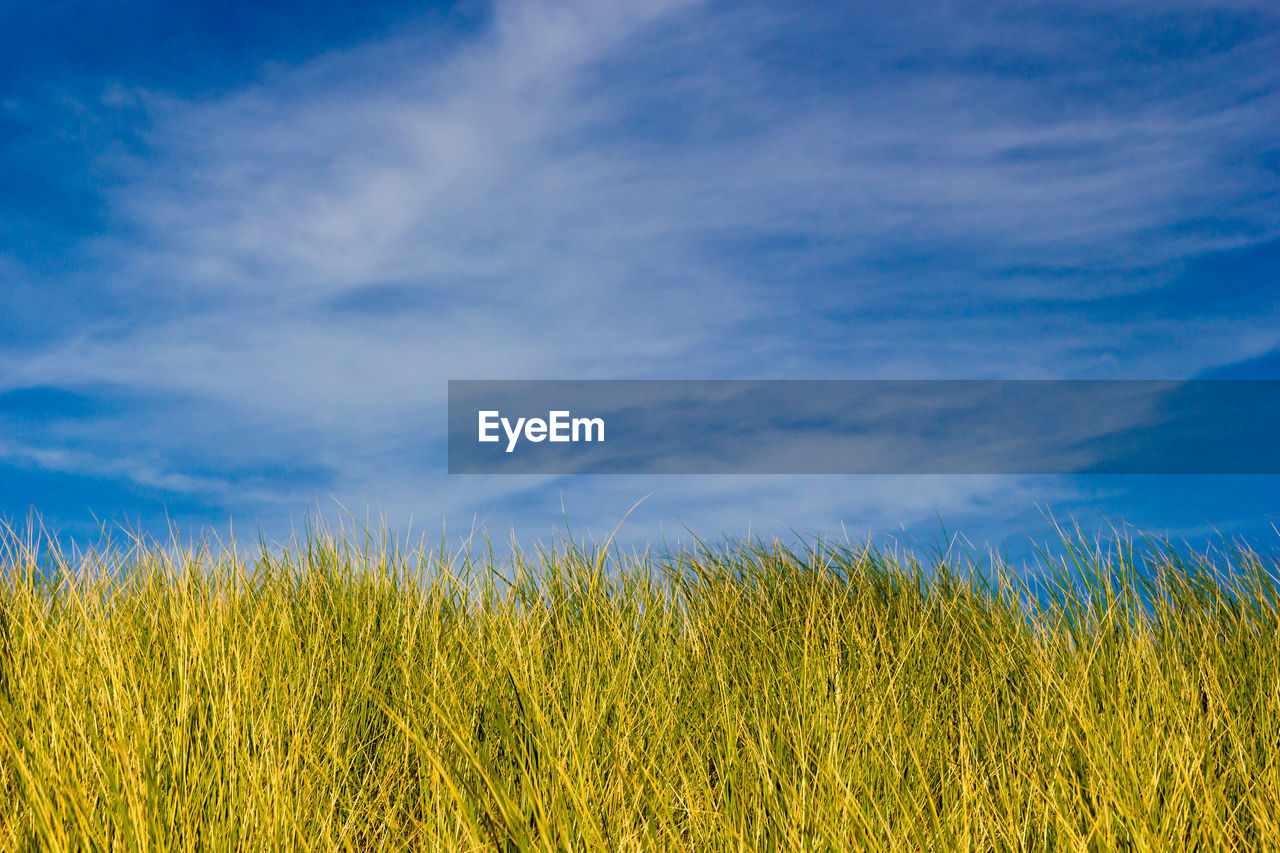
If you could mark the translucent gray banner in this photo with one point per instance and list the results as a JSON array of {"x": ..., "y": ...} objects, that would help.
[{"x": 864, "y": 427}]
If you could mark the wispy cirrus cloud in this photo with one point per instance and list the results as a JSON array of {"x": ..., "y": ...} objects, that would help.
[{"x": 668, "y": 189}]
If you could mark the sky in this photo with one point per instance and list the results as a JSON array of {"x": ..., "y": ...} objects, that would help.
[{"x": 244, "y": 246}]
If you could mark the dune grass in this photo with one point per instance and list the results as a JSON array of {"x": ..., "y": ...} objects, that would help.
[{"x": 344, "y": 694}]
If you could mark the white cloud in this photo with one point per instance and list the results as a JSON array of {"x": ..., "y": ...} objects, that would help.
[{"x": 569, "y": 195}]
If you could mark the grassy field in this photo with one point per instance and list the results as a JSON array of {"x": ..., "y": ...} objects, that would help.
[{"x": 346, "y": 695}]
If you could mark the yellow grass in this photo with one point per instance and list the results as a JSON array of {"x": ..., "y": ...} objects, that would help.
[{"x": 346, "y": 695}]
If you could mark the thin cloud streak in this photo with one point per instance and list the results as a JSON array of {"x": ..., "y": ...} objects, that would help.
[{"x": 658, "y": 189}]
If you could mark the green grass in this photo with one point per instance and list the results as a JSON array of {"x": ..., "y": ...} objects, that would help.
[{"x": 349, "y": 696}]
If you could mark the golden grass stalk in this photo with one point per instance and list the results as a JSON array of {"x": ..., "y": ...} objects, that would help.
[{"x": 346, "y": 694}]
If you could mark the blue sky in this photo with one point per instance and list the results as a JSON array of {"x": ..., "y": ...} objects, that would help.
[{"x": 244, "y": 245}]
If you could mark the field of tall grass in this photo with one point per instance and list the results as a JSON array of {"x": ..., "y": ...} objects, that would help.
[{"x": 342, "y": 693}]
